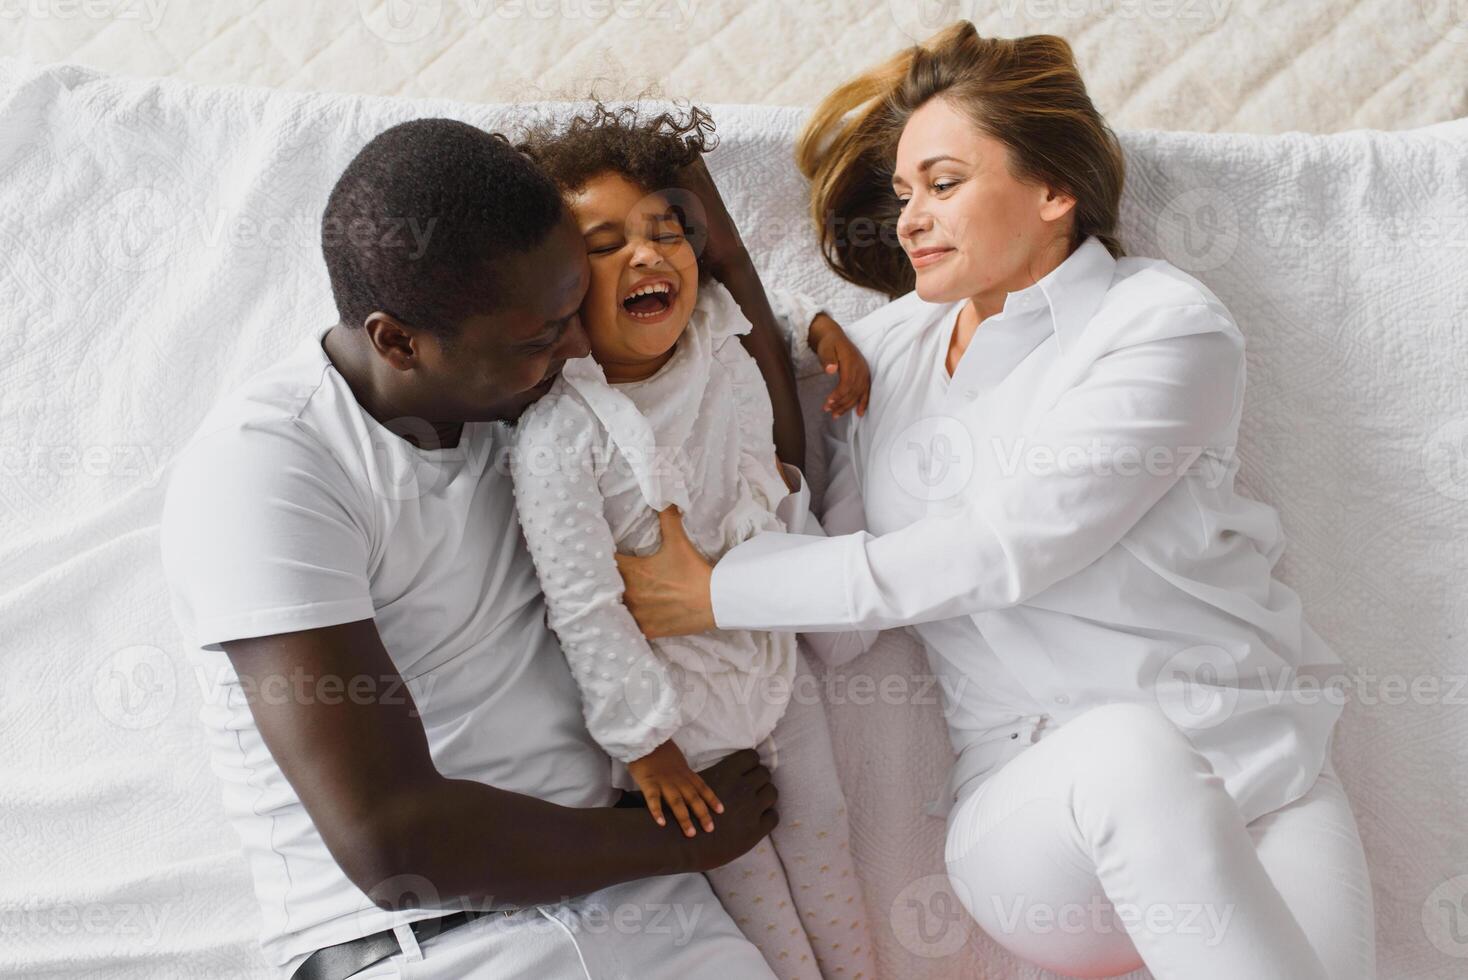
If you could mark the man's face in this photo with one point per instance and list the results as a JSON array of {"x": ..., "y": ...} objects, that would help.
[{"x": 499, "y": 363}]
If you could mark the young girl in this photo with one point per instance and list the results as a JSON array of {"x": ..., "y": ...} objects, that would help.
[{"x": 670, "y": 411}]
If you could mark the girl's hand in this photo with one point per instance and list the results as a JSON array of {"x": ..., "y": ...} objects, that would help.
[
  {"x": 669, "y": 591},
  {"x": 841, "y": 358},
  {"x": 663, "y": 776}
]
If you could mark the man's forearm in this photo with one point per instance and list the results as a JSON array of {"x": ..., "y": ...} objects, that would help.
[
  {"x": 766, "y": 345},
  {"x": 471, "y": 845}
]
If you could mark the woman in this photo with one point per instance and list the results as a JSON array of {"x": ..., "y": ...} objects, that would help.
[{"x": 1046, "y": 476}]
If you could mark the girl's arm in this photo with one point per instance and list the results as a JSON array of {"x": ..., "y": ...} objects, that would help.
[
  {"x": 630, "y": 703},
  {"x": 724, "y": 255}
]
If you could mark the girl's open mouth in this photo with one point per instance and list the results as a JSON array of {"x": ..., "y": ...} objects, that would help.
[{"x": 650, "y": 301}]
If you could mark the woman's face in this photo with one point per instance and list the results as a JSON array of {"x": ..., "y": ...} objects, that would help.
[
  {"x": 968, "y": 226},
  {"x": 644, "y": 275}
]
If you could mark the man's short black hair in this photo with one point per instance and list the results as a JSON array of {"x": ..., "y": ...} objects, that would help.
[{"x": 420, "y": 220}]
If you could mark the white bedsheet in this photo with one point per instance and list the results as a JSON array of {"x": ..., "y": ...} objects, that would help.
[{"x": 159, "y": 244}]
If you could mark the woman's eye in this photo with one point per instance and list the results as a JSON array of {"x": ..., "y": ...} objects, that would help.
[
  {"x": 602, "y": 249},
  {"x": 669, "y": 238},
  {"x": 941, "y": 186}
]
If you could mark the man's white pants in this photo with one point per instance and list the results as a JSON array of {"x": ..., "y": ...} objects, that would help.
[
  {"x": 652, "y": 929},
  {"x": 1111, "y": 844}
]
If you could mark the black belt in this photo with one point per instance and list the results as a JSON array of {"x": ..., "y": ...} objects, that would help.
[{"x": 344, "y": 959}]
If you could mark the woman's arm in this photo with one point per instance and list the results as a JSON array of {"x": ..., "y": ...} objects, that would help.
[{"x": 1114, "y": 444}]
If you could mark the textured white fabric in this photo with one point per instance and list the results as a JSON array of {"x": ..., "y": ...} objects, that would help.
[
  {"x": 1113, "y": 843},
  {"x": 594, "y": 464},
  {"x": 1069, "y": 494},
  {"x": 294, "y": 509},
  {"x": 161, "y": 247},
  {"x": 1214, "y": 65},
  {"x": 796, "y": 894}
]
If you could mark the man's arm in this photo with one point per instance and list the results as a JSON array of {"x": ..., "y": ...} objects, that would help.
[{"x": 361, "y": 766}]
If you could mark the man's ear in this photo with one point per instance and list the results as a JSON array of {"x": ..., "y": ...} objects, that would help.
[
  {"x": 395, "y": 343},
  {"x": 1055, "y": 204}
]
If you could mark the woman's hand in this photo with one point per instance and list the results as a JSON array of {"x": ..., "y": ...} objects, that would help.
[
  {"x": 663, "y": 776},
  {"x": 841, "y": 358},
  {"x": 668, "y": 592}
]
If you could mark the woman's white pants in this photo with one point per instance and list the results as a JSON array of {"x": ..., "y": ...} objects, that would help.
[{"x": 1111, "y": 844}]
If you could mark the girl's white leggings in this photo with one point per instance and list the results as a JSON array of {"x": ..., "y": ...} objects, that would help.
[{"x": 1110, "y": 844}]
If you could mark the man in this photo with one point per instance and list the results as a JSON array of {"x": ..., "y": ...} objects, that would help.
[{"x": 398, "y": 734}]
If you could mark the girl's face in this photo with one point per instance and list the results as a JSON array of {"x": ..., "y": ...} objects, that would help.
[
  {"x": 644, "y": 276},
  {"x": 968, "y": 226}
]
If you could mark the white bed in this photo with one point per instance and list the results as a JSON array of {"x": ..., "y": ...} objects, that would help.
[{"x": 158, "y": 242}]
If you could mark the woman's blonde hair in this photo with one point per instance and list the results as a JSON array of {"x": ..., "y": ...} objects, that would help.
[{"x": 1024, "y": 92}]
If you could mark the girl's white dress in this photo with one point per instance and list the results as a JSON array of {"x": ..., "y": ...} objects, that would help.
[{"x": 595, "y": 462}]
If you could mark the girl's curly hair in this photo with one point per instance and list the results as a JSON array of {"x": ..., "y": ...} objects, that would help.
[{"x": 649, "y": 151}]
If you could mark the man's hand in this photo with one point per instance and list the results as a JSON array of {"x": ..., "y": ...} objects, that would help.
[
  {"x": 749, "y": 809},
  {"x": 668, "y": 592},
  {"x": 362, "y": 768},
  {"x": 841, "y": 358},
  {"x": 663, "y": 777}
]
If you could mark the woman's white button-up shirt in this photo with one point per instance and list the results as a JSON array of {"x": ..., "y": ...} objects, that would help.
[{"x": 1058, "y": 524}]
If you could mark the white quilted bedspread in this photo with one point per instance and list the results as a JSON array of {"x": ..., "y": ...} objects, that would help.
[
  {"x": 158, "y": 245},
  {"x": 1210, "y": 65}
]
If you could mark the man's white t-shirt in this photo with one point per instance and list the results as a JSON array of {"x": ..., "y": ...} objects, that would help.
[{"x": 294, "y": 509}]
